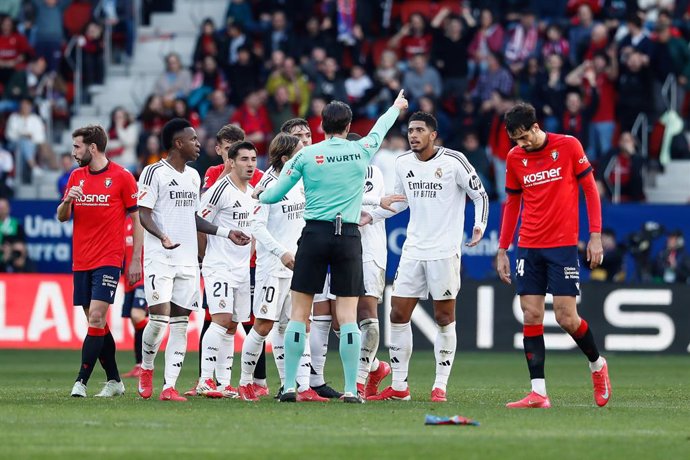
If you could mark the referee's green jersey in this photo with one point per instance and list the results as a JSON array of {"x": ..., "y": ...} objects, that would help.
[{"x": 333, "y": 173}]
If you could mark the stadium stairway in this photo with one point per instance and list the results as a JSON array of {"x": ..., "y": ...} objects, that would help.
[
  {"x": 673, "y": 186},
  {"x": 129, "y": 85}
]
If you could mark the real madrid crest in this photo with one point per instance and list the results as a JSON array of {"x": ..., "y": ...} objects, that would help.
[
  {"x": 108, "y": 182},
  {"x": 155, "y": 296},
  {"x": 221, "y": 304},
  {"x": 438, "y": 173},
  {"x": 264, "y": 309},
  {"x": 554, "y": 155}
]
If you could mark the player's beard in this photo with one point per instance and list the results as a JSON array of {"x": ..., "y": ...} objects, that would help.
[{"x": 85, "y": 160}]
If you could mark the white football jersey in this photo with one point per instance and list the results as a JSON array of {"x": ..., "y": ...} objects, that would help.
[
  {"x": 227, "y": 206},
  {"x": 277, "y": 227},
  {"x": 436, "y": 192},
  {"x": 174, "y": 198},
  {"x": 374, "y": 236}
]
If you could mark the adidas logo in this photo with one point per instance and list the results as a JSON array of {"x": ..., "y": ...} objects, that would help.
[
  {"x": 237, "y": 204},
  {"x": 281, "y": 357},
  {"x": 211, "y": 359},
  {"x": 149, "y": 352},
  {"x": 410, "y": 174},
  {"x": 445, "y": 363},
  {"x": 177, "y": 364},
  {"x": 364, "y": 359},
  {"x": 395, "y": 360},
  {"x": 447, "y": 292},
  {"x": 250, "y": 363},
  {"x": 173, "y": 183}
]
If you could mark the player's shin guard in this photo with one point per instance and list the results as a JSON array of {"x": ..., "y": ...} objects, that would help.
[
  {"x": 318, "y": 341},
  {"x": 90, "y": 351},
  {"x": 278, "y": 344},
  {"x": 400, "y": 353},
  {"x": 151, "y": 339},
  {"x": 370, "y": 346},
  {"x": 585, "y": 340},
  {"x": 444, "y": 351},
  {"x": 226, "y": 357},
  {"x": 210, "y": 350},
  {"x": 251, "y": 350},
  {"x": 176, "y": 350},
  {"x": 350, "y": 344},
  {"x": 304, "y": 369},
  {"x": 138, "y": 338},
  {"x": 295, "y": 338},
  {"x": 535, "y": 353},
  {"x": 107, "y": 356}
]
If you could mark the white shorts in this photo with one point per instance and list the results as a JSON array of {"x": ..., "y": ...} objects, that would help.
[
  {"x": 418, "y": 278},
  {"x": 374, "y": 280},
  {"x": 326, "y": 293},
  {"x": 272, "y": 300},
  {"x": 172, "y": 283},
  {"x": 224, "y": 295}
]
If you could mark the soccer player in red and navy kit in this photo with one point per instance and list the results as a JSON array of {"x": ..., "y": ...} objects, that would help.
[
  {"x": 543, "y": 173},
  {"x": 99, "y": 194},
  {"x": 134, "y": 304}
]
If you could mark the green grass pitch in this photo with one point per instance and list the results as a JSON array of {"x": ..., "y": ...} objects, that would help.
[{"x": 648, "y": 416}]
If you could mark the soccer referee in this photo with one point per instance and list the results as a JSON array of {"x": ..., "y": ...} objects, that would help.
[{"x": 333, "y": 173}]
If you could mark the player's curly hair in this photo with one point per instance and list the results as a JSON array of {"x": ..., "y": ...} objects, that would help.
[
  {"x": 92, "y": 134},
  {"x": 282, "y": 144},
  {"x": 171, "y": 129},
  {"x": 520, "y": 118}
]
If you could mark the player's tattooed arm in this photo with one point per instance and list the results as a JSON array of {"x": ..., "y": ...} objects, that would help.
[{"x": 146, "y": 219}]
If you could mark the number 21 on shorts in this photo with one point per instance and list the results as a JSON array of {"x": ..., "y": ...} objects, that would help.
[{"x": 520, "y": 267}]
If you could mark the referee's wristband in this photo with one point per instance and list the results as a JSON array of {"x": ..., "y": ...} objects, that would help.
[{"x": 222, "y": 231}]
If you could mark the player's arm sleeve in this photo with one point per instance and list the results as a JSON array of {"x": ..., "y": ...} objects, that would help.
[
  {"x": 467, "y": 178},
  {"x": 129, "y": 193},
  {"x": 379, "y": 214},
  {"x": 589, "y": 186},
  {"x": 372, "y": 141},
  {"x": 512, "y": 186},
  {"x": 511, "y": 213},
  {"x": 148, "y": 188},
  {"x": 289, "y": 176},
  {"x": 261, "y": 233}
]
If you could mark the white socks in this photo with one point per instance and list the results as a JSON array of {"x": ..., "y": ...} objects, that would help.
[
  {"x": 210, "y": 350},
  {"x": 597, "y": 365},
  {"x": 369, "y": 348},
  {"x": 318, "y": 341},
  {"x": 444, "y": 351},
  {"x": 175, "y": 350},
  {"x": 226, "y": 355},
  {"x": 400, "y": 352},
  {"x": 251, "y": 350},
  {"x": 539, "y": 386},
  {"x": 152, "y": 338},
  {"x": 278, "y": 344},
  {"x": 304, "y": 369}
]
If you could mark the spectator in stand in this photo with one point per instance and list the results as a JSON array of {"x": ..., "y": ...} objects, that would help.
[
  {"x": 6, "y": 173},
  {"x": 218, "y": 115},
  {"x": 92, "y": 55},
  {"x": 253, "y": 118},
  {"x": 635, "y": 88},
  {"x": 611, "y": 268},
  {"x": 487, "y": 39},
  {"x": 670, "y": 56},
  {"x": 551, "y": 93},
  {"x": 578, "y": 116},
  {"x": 290, "y": 77},
  {"x": 555, "y": 43},
  {"x": 529, "y": 79},
  {"x": 317, "y": 36},
  {"x": 329, "y": 84},
  {"x": 450, "y": 49},
  {"x": 240, "y": 12},
  {"x": 358, "y": 86},
  {"x": 11, "y": 230},
  {"x": 477, "y": 156},
  {"x": 412, "y": 38},
  {"x": 175, "y": 82},
  {"x": 206, "y": 80},
  {"x": 278, "y": 36},
  {"x": 208, "y": 156},
  {"x": 67, "y": 165},
  {"x": 14, "y": 49},
  {"x": 16, "y": 259},
  {"x": 47, "y": 31},
  {"x": 243, "y": 75},
  {"x": 636, "y": 39},
  {"x": 624, "y": 166},
  {"x": 523, "y": 41},
  {"x": 421, "y": 79},
  {"x": 181, "y": 109},
  {"x": 24, "y": 83},
  {"x": 207, "y": 44},
  {"x": 429, "y": 105},
  {"x": 496, "y": 78},
  {"x": 26, "y": 132},
  {"x": 312, "y": 63},
  {"x": 499, "y": 144},
  {"x": 280, "y": 108},
  {"x": 580, "y": 32},
  {"x": 229, "y": 44},
  {"x": 599, "y": 41},
  {"x": 388, "y": 69},
  {"x": 152, "y": 150},
  {"x": 123, "y": 135},
  {"x": 672, "y": 265},
  {"x": 11, "y": 8},
  {"x": 314, "y": 119}
]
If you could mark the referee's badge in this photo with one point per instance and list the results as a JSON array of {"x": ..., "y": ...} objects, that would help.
[
  {"x": 554, "y": 155},
  {"x": 108, "y": 182},
  {"x": 438, "y": 173}
]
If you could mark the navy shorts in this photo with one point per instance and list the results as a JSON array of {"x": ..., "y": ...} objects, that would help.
[
  {"x": 550, "y": 270},
  {"x": 133, "y": 299},
  {"x": 97, "y": 284}
]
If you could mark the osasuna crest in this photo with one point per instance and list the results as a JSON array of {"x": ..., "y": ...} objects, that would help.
[
  {"x": 524, "y": 162},
  {"x": 438, "y": 173},
  {"x": 554, "y": 155},
  {"x": 108, "y": 182},
  {"x": 81, "y": 183}
]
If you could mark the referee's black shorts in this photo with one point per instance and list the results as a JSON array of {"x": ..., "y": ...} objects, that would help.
[{"x": 318, "y": 248}]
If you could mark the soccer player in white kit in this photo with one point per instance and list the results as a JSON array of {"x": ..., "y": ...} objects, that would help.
[
  {"x": 168, "y": 200},
  {"x": 228, "y": 204},
  {"x": 436, "y": 181}
]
